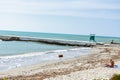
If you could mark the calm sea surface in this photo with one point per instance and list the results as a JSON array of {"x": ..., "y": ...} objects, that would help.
[{"x": 15, "y": 47}]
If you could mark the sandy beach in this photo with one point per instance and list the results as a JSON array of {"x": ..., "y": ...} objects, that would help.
[
  {"x": 85, "y": 67},
  {"x": 59, "y": 39}
]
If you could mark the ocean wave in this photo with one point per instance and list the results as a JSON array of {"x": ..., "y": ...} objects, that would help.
[
  {"x": 33, "y": 54},
  {"x": 9, "y": 62},
  {"x": 42, "y": 53},
  {"x": 24, "y": 55}
]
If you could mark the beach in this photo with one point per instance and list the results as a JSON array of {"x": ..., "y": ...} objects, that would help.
[
  {"x": 59, "y": 39},
  {"x": 84, "y": 67}
]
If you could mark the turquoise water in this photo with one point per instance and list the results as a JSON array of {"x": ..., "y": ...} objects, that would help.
[
  {"x": 10, "y": 51},
  {"x": 15, "y": 47},
  {"x": 60, "y": 36}
]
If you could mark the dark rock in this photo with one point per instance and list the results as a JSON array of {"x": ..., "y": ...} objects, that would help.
[{"x": 60, "y": 55}]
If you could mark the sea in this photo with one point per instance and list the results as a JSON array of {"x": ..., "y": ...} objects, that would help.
[{"x": 16, "y": 53}]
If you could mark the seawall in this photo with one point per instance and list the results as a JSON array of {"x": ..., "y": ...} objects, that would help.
[{"x": 48, "y": 41}]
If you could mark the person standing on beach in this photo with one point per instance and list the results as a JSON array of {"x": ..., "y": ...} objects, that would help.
[{"x": 112, "y": 42}]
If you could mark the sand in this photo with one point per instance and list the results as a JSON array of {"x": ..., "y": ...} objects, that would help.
[
  {"x": 86, "y": 67},
  {"x": 100, "y": 73}
]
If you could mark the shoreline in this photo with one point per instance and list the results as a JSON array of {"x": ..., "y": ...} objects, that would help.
[
  {"x": 9, "y": 62},
  {"x": 44, "y": 52},
  {"x": 53, "y": 69}
]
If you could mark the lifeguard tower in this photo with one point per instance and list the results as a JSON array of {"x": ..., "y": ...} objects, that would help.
[{"x": 92, "y": 37}]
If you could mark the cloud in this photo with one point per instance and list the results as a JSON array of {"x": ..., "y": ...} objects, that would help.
[{"x": 79, "y": 8}]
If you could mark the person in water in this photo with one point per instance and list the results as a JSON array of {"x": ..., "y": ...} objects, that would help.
[{"x": 111, "y": 64}]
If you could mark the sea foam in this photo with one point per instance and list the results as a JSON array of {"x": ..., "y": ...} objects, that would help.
[{"x": 9, "y": 62}]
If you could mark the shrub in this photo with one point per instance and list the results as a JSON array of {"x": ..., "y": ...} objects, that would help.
[
  {"x": 4, "y": 79},
  {"x": 115, "y": 77}
]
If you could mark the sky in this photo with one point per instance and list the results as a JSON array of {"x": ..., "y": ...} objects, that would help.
[{"x": 84, "y": 17}]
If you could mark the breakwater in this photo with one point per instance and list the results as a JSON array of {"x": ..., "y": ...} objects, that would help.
[{"x": 48, "y": 41}]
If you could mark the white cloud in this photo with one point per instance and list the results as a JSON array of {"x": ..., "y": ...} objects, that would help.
[{"x": 83, "y": 8}]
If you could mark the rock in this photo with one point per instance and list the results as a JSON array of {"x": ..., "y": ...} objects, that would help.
[
  {"x": 14, "y": 38},
  {"x": 60, "y": 55}
]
